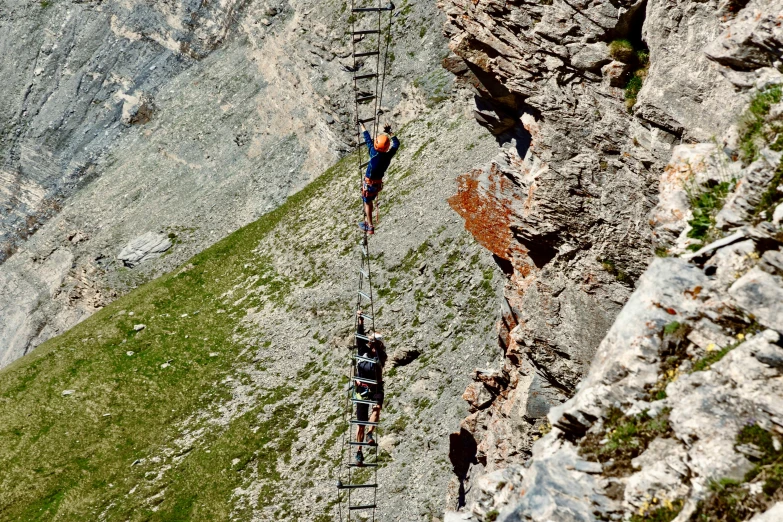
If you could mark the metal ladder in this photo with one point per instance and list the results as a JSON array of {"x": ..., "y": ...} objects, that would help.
[
  {"x": 367, "y": 21},
  {"x": 357, "y": 486},
  {"x": 360, "y": 493}
]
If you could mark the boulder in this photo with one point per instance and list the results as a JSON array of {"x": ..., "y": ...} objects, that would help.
[
  {"x": 760, "y": 294},
  {"x": 143, "y": 248},
  {"x": 403, "y": 356}
]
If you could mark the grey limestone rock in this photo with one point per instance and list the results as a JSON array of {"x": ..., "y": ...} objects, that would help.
[
  {"x": 753, "y": 40},
  {"x": 761, "y": 294},
  {"x": 143, "y": 248},
  {"x": 554, "y": 489},
  {"x": 565, "y": 205},
  {"x": 627, "y": 359},
  {"x": 755, "y": 180},
  {"x": 664, "y": 469}
]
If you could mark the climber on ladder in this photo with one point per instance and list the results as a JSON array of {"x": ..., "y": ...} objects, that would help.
[
  {"x": 382, "y": 150},
  {"x": 373, "y": 371}
]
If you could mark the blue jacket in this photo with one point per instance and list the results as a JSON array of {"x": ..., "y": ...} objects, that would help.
[{"x": 379, "y": 161}]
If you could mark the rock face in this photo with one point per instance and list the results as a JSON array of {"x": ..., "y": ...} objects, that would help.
[
  {"x": 187, "y": 118},
  {"x": 683, "y": 366},
  {"x": 143, "y": 248}
]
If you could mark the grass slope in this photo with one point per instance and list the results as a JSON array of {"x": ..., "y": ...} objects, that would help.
[
  {"x": 68, "y": 457},
  {"x": 225, "y": 406}
]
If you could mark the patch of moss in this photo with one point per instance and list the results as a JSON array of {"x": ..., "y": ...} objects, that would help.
[
  {"x": 661, "y": 252},
  {"x": 623, "y": 439},
  {"x": 638, "y": 59},
  {"x": 610, "y": 266},
  {"x": 621, "y": 50}
]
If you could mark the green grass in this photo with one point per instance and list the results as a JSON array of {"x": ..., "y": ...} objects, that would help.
[
  {"x": 754, "y": 130},
  {"x": 73, "y": 455},
  {"x": 771, "y": 197},
  {"x": 706, "y": 362},
  {"x": 706, "y": 202},
  {"x": 730, "y": 500},
  {"x": 621, "y": 50},
  {"x": 626, "y": 438}
]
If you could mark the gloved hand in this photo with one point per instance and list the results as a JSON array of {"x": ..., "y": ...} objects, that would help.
[{"x": 387, "y": 129}]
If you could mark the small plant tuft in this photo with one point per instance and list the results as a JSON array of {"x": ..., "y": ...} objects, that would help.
[
  {"x": 622, "y": 50},
  {"x": 754, "y": 129},
  {"x": 705, "y": 204}
]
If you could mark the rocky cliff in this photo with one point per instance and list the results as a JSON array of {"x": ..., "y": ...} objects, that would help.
[
  {"x": 159, "y": 128},
  {"x": 624, "y": 128}
]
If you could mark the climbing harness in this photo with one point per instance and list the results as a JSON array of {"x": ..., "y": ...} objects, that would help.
[{"x": 357, "y": 485}]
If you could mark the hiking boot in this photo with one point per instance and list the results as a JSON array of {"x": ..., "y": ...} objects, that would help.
[
  {"x": 367, "y": 228},
  {"x": 369, "y": 439},
  {"x": 359, "y": 458}
]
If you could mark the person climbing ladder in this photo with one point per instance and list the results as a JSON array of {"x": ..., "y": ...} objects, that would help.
[
  {"x": 382, "y": 150},
  {"x": 366, "y": 370}
]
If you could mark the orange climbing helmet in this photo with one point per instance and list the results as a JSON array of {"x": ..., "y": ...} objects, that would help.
[{"x": 382, "y": 142}]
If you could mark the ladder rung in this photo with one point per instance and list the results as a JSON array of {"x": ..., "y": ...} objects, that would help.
[
  {"x": 364, "y": 164},
  {"x": 356, "y": 486},
  {"x": 365, "y": 274},
  {"x": 365, "y": 296},
  {"x": 363, "y": 465},
  {"x": 362, "y": 401},
  {"x": 369, "y": 31},
  {"x": 363, "y": 423},
  {"x": 367, "y": 506},
  {"x": 368, "y": 317},
  {"x": 365, "y": 359},
  {"x": 365, "y": 76},
  {"x": 365, "y": 381},
  {"x": 362, "y": 337},
  {"x": 365, "y": 99},
  {"x": 352, "y": 443},
  {"x": 367, "y": 53},
  {"x": 365, "y": 121}
]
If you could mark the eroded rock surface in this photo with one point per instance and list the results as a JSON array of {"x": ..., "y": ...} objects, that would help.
[{"x": 592, "y": 179}]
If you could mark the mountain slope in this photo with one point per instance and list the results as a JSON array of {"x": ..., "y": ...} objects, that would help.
[
  {"x": 181, "y": 118},
  {"x": 226, "y": 404}
]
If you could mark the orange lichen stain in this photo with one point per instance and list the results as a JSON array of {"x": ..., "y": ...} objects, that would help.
[{"x": 486, "y": 217}]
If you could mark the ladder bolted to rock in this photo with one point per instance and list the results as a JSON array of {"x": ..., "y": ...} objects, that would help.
[{"x": 357, "y": 487}]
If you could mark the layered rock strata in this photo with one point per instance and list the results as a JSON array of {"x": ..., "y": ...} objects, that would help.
[
  {"x": 683, "y": 392},
  {"x": 564, "y": 208}
]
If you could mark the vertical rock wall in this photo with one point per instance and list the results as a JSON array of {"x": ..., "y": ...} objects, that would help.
[{"x": 564, "y": 207}]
